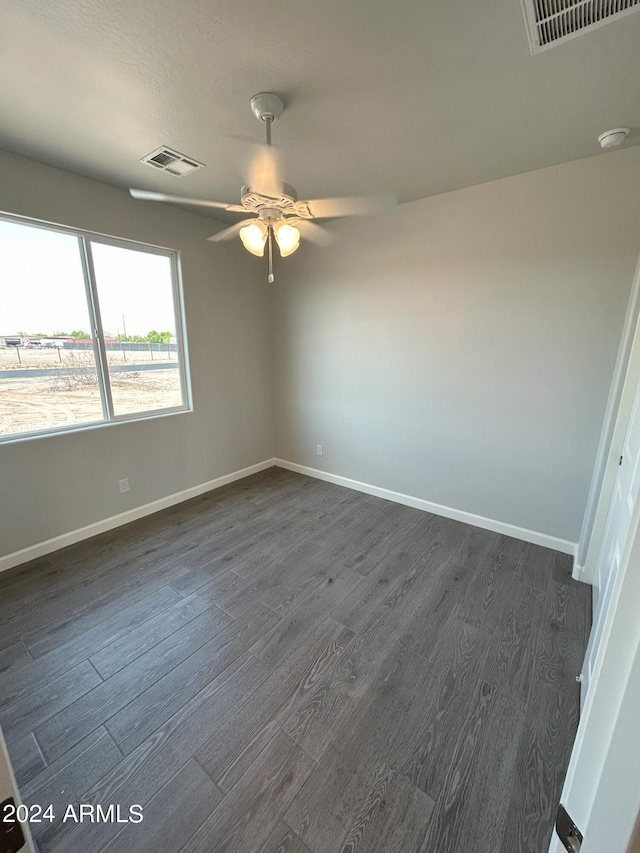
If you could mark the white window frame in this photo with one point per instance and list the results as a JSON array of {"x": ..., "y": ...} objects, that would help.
[{"x": 85, "y": 238}]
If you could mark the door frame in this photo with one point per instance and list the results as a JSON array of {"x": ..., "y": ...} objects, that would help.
[
  {"x": 602, "y": 787},
  {"x": 626, "y": 375},
  {"x": 605, "y": 750},
  {"x": 630, "y": 398}
]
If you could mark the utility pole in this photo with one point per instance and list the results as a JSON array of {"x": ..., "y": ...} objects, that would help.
[{"x": 124, "y": 326}]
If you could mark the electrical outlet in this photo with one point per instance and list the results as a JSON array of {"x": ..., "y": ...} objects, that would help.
[
  {"x": 318, "y": 450},
  {"x": 124, "y": 485}
]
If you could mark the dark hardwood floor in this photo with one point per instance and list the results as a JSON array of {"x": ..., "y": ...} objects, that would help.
[{"x": 287, "y": 666}]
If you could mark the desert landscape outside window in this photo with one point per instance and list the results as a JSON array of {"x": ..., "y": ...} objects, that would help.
[{"x": 90, "y": 330}]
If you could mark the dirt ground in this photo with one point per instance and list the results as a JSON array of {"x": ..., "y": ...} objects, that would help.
[
  {"x": 42, "y": 402},
  {"x": 15, "y": 358}
]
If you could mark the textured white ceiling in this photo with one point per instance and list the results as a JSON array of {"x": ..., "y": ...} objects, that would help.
[{"x": 415, "y": 97}]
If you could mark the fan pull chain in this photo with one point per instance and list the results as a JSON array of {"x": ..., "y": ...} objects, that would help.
[{"x": 271, "y": 276}]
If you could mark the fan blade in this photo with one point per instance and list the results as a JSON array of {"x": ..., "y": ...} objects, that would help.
[
  {"x": 232, "y": 231},
  {"x": 315, "y": 234},
  {"x": 333, "y": 208},
  {"x": 264, "y": 175},
  {"x": 144, "y": 195}
]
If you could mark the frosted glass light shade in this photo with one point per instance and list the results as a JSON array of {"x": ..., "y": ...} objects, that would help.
[
  {"x": 254, "y": 237},
  {"x": 287, "y": 238}
]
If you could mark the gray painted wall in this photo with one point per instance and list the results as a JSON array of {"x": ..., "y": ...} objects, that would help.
[
  {"x": 458, "y": 351},
  {"x": 461, "y": 350},
  {"x": 60, "y": 483}
]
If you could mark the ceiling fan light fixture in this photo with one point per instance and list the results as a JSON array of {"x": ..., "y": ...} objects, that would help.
[
  {"x": 287, "y": 237},
  {"x": 254, "y": 237},
  {"x": 274, "y": 203}
]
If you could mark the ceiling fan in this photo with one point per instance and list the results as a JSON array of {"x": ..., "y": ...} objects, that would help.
[{"x": 276, "y": 213}]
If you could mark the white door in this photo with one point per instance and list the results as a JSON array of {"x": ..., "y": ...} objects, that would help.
[
  {"x": 625, "y": 495},
  {"x": 601, "y": 791}
]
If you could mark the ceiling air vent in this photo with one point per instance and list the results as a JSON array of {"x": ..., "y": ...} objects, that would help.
[
  {"x": 172, "y": 161},
  {"x": 552, "y": 21}
]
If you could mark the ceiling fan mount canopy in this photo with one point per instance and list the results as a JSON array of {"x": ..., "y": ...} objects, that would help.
[{"x": 267, "y": 107}]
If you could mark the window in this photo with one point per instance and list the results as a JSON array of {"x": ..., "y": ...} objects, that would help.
[{"x": 90, "y": 330}]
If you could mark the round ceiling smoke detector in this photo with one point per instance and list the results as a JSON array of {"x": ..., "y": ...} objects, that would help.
[
  {"x": 613, "y": 138},
  {"x": 267, "y": 107}
]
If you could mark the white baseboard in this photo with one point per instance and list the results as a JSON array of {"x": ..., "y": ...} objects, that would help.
[
  {"x": 544, "y": 539},
  {"x": 576, "y": 572},
  {"x": 49, "y": 545},
  {"x": 73, "y": 536}
]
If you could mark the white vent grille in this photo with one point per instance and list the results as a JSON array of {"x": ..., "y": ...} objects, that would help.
[
  {"x": 172, "y": 161},
  {"x": 553, "y": 21}
]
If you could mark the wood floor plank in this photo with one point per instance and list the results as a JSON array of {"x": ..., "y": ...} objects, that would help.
[
  {"x": 77, "y": 769},
  {"x": 126, "y": 649},
  {"x": 64, "y": 781},
  {"x": 282, "y": 586},
  {"x": 144, "y": 772},
  {"x": 549, "y": 730},
  {"x": 283, "y": 840},
  {"x": 60, "y": 732},
  {"x": 369, "y": 537},
  {"x": 249, "y": 813},
  {"x": 284, "y": 521},
  {"x": 14, "y": 656},
  {"x": 562, "y": 569},
  {"x": 291, "y": 630},
  {"x": 224, "y": 535},
  {"x": 23, "y": 679},
  {"x": 19, "y": 579},
  {"x": 298, "y": 542},
  {"x": 285, "y": 596},
  {"x": 538, "y": 565},
  {"x": 26, "y": 758},
  {"x": 76, "y": 569},
  {"x": 437, "y": 719},
  {"x": 394, "y": 538},
  {"x": 230, "y": 751},
  {"x": 173, "y": 815},
  {"x": 315, "y": 723},
  {"x": 485, "y": 808},
  {"x": 60, "y": 577},
  {"x": 424, "y": 743},
  {"x": 445, "y": 588},
  {"x": 213, "y": 575},
  {"x": 445, "y": 541},
  {"x": 354, "y": 801},
  {"x": 355, "y": 609},
  {"x": 131, "y": 546},
  {"x": 512, "y": 654},
  {"x": 394, "y": 818},
  {"x": 292, "y": 537},
  {"x": 471, "y": 807},
  {"x": 32, "y": 709},
  {"x": 476, "y": 548},
  {"x": 91, "y": 603},
  {"x": 562, "y": 639},
  {"x": 77, "y": 640},
  {"x": 360, "y": 746},
  {"x": 347, "y": 513},
  {"x": 242, "y": 542},
  {"x": 316, "y": 719},
  {"x": 150, "y": 709},
  {"x": 490, "y": 590}
]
